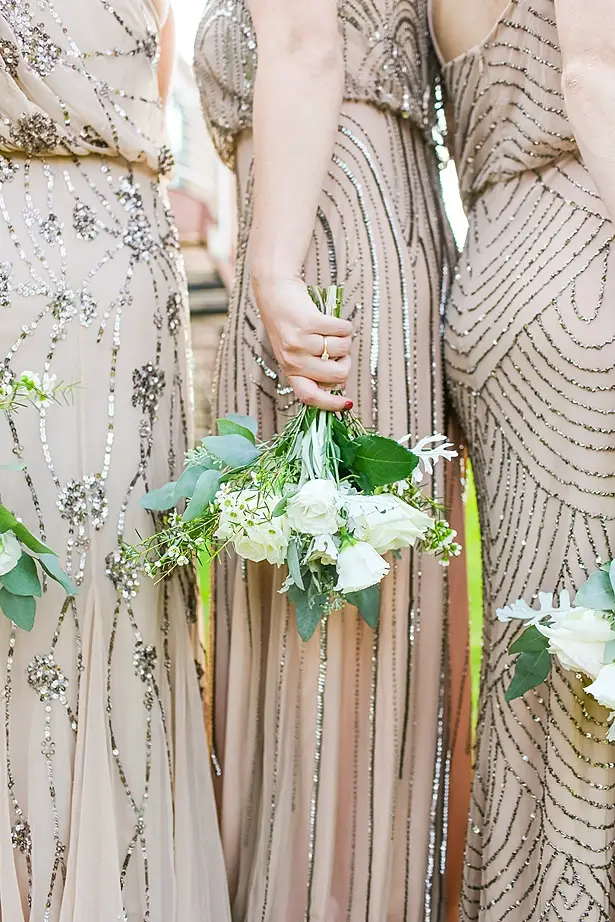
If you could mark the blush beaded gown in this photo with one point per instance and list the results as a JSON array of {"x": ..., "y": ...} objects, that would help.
[
  {"x": 530, "y": 358},
  {"x": 106, "y": 803},
  {"x": 336, "y": 755}
]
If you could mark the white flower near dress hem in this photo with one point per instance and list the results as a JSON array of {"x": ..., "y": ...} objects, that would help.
[
  {"x": 578, "y": 638},
  {"x": 267, "y": 540},
  {"x": 386, "y": 522},
  {"x": 603, "y": 690},
  {"x": 359, "y": 566},
  {"x": 315, "y": 509},
  {"x": 10, "y": 552},
  {"x": 323, "y": 550}
]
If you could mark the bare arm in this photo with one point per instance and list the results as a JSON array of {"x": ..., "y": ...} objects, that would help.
[
  {"x": 587, "y": 37},
  {"x": 167, "y": 55},
  {"x": 298, "y": 96}
]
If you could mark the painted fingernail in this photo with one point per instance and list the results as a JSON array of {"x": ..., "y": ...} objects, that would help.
[{"x": 348, "y": 405}]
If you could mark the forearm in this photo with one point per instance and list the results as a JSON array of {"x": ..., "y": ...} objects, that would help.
[
  {"x": 298, "y": 95},
  {"x": 167, "y": 56},
  {"x": 587, "y": 37}
]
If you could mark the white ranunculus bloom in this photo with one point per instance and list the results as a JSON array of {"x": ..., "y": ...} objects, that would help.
[
  {"x": 267, "y": 540},
  {"x": 323, "y": 550},
  {"x": 386, "y": 521},
  {"x": 603, "y": 688},
  {"x": 578, "y": 638},
  {"x": 315, "y": 509},
  {"x": 10, "y": 552},
  {"x": 359, "y": 566}
]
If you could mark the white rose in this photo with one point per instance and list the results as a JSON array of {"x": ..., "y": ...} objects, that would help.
[
  {"x": 359, "y": 566},
  {"x": 578, "y": 638},
  {"x": 264, "y": 541},
  {"x": 10, "y": 552},
  {"x": 323, "y": 550},
  {"x": 603, "y": 688},
  {"x": 386, "y": 521},
  {"x": 315, "y": 509}
]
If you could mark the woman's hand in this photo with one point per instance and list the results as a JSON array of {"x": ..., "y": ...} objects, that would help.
[{"x": 297, "y": 332}]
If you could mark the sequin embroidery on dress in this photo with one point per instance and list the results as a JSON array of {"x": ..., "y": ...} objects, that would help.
[{"x": 106, "y": 807}]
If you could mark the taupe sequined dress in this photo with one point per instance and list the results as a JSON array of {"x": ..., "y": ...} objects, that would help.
[
  {"x": 530, "y": 352},
  {"x": 335, "y": 755},
  {"x": 106, "y": 805}
]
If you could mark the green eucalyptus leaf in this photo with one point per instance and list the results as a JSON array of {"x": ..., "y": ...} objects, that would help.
[
  {"x": 346, "y": 446},
  {"x": 205, "y": 491},
  {"x": 611, "y": 572},
  {"x": 294, "y": 567},
  {"x": 368, "y": 603},
  {"x": 309, "y": 611},
  {"x": 280, "y": 509},
  {"x": 234, "y": 450},
  {"x": 228, "y": 426},
  {"x": 23, "y": 578},
  {"x": 20, "y": 609},
  {"x": 51, "y": 566},
  {"x": 531, "y": 670},
  {"x": 247, "y": 422},
  {"x": 7, "y": 520},
  {"x": 597, "y": 593},
  {"x": 530, "y": 641},
  {"x": 160, "y": 500},
  {"x": 382, "y": 461},
  {"x": 27, "y": 538},
  {"x": 185, "y": 486}
]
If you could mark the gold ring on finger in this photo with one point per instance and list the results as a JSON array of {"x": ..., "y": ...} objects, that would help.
[{"x": 325, "y": 351}]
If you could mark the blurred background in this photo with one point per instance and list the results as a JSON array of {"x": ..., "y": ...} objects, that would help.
[{"x": 203, "y": 198}]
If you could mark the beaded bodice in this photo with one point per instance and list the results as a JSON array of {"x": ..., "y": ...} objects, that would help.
[
  {"x": 387, "y": 54},
  {"x": 507, "y": 99},
  {"x": 81, "y": 84}
]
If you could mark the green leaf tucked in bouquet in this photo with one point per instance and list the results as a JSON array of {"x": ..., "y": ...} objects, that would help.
[
  {"x": 160, "y": 500},
  {"x": 23, "y": 578},
  {"x": 234, "y": 450},
  {"x": 368, "y": 603},
  {"x": 294, "y": 567},
  {"x": 185, "y": 486},
  {"x": 597, "y": 593},
  {"x": 611, "y": 572},
  {"x": 27, "y": 538},
  {"x": 231, "y": 426},
  {"x": 310, "y": 609},
  {"x": 531, "y": 670},
  {"x": 205, "y": 491},
  {"x": 530, "y": 641},
  {"x": 382, "y": 461},
  {"x": 7, "y": 520},
  {"x": 51, "y": 566},
  {"x": 20, "y": 609}
]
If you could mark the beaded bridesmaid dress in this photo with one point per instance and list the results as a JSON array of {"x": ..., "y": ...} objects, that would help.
[
  {"x": 106, "y": 804},
  {"x": 336, "y": 755},
  {"x": 530, "y": 357}
]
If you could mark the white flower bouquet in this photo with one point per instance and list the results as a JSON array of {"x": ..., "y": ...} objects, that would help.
[
  {"x": 580, "y": 636},
  {"x": 326, "y": 498},
  {"x": 25, "y": 562}
]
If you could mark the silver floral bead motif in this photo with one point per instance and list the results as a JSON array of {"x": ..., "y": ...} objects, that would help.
[
  {"x": 84, "y": 222},
  {"x": 150, "y": 46},
  {"x": 35, "y": 134},
  {"x": 145, "y": 660},
  {"x": 129, "y": 195},
  {"x": 46, "y": 678},
  {"x": 8, "y": 169},
  {"x": 9, "y": 55},
  {"x": 84, "y": 500},
  {"x": 51, "y": 229},
  {"x": 123, "y": 571},
  {"x": 41, "y": 53},
  {"x": 138, "y": 236},
  {"x": 5, "y": 284},
  {"x": 148, "y": 385},
  {"x": 63, "y": 305},
  {"x": 174, "y": 305},
  {"x": 89, "y": 307},
  {"x": 21, "y": 837}
]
